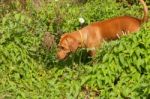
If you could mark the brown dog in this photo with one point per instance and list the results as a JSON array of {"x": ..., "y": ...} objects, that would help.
[{"x": 92, "y": 36}]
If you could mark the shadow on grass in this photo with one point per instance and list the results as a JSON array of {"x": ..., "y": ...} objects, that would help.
[
  {"x": 75, "y": 59},
  {"x": 78, "y": 58}
]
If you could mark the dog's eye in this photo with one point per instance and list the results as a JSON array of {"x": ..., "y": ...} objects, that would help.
[{"x": 61, "y": 47}]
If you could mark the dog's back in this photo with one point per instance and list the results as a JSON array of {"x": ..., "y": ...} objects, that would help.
[{"x": 109, "y": 29}]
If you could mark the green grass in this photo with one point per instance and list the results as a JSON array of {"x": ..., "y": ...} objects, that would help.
[{"x": 120, "y": 70}]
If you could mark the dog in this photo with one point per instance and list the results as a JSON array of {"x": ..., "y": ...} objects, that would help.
[{"x": 92, "y": 36}]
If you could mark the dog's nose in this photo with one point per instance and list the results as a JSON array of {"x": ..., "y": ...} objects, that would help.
[{"x": 60, "y": 56}]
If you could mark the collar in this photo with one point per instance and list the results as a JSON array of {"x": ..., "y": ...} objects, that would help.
[
  {"x": 83, "y": 42},
  {"x": 83, "y": 39}
]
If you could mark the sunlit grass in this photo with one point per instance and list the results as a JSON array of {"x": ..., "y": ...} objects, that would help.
[{"x": 27, "y": 70}]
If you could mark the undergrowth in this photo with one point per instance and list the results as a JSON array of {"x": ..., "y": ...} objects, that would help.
[{"x": 121, "y": 68}]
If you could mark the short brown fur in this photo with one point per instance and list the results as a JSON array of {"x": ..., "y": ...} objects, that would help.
[{"x": 92, "y": 36}]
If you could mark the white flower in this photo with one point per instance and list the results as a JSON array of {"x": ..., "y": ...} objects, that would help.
[
  {"x": 56, "y": 0},
  {"x": 81, "y": 20}
]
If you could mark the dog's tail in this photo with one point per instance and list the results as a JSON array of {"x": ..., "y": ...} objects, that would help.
[{"x": 145, "y": 18}]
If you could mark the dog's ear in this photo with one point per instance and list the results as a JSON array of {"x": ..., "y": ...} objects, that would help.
[{"x": 72, "y": 43}]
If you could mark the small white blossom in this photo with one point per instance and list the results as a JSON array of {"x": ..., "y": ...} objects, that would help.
[{"x": 81, "y": 20}]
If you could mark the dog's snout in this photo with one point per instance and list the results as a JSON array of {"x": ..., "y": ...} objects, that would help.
[{"x": 60, "y": 55}]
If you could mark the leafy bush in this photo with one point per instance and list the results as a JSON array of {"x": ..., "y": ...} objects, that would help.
[{"x": 120, "y": 70}]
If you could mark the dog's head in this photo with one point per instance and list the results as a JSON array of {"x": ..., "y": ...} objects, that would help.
[{"x": 66, "y": 45}]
